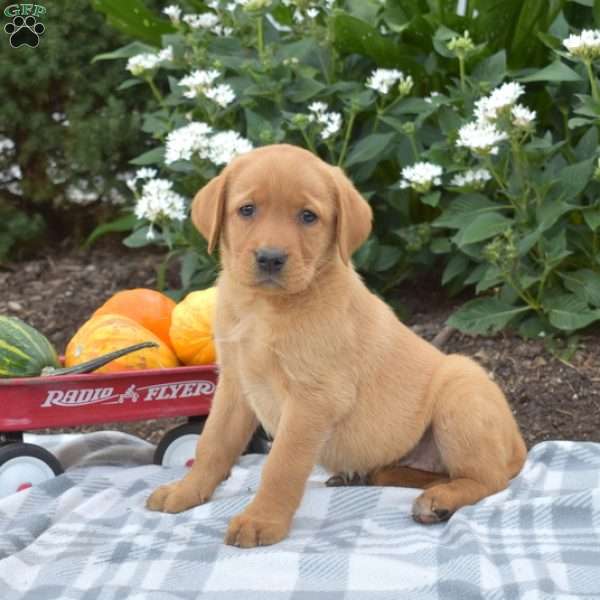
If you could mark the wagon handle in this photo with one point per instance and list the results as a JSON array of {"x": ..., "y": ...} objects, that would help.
[{"x": 96, "y": 363}]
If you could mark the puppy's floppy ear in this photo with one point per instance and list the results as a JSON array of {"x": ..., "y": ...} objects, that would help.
[
  {"x": 208, "y": 209},
  {"x": 354, "y": 216}
]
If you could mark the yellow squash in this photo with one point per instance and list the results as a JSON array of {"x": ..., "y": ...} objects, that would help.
[
  {"x": 109, "y": 332},
  {"x": 191, "y": 330}
]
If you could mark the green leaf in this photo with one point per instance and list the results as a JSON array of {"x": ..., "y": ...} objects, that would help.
[
  {"x": 369, "y": 148},
  {"x": 387, "y": 257},
  {"x": 527, "y": 242},
  {"x": 463, "y": 209},
  {"x": 128, "y": 83},
  {"x": 549, "y": 212},
  {"x": 533, "y": 327},
  {"x": 139, "y": 238},
  {"x": 125, "y": 223},
  {"x": 189, "y": 265},
  {"x": 482, "y": 228},
  {"x": 355, "y": 36},
  {"x": 569, "y": 312},
  {"x": 128, "y": 51},
  {"x": 485, "y": 315},
  {"x": 456, "y": 266},
  {"x": 441, "y": 245},
  {"x": 490, "y": 278},
  {"x": 585, "y": 284},
  {"x": 431, "y": 199},
  {"x": 587, "y": 145},
  {"x": 591, "y": 216},
  {"x": 304, "y": 89},
  {"x": 440, "y": 41},
  {"x": 555, "y": 73},
  {"x": 134, "y": 20},
  {"x": 492, "y": 69},
  {"x": 596, "y": 11},
  {"x": 152, "y": 157},
  {"x": 574, "y": 178},
  {"x": 511, "y": 24}
]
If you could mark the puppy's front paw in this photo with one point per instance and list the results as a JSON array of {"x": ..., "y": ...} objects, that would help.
[
  {"x": 247, "y": 531},
  {"x": 175, "y": 497}
]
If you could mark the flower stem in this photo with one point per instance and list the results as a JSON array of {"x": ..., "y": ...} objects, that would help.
[
  {"x": 156, "y": 92},
  {"x": 260, "y": 38},
  {"x": 413, "y": 145},
  {"x": 461, "y": 66},
  {"x": 490, "y": 166},
  {"x": 347, "y": 138},
  {"x": 310, "y": 145},
  {"x": 593, "y": 81}
]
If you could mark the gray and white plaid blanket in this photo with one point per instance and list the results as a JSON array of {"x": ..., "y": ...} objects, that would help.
[{"x": 86, "y": 536}]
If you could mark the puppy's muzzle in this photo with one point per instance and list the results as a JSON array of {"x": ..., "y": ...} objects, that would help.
[{"x": 270, "y": 261}]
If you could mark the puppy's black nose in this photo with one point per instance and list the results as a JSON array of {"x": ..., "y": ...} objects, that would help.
[{"x": 270, "y": 260}]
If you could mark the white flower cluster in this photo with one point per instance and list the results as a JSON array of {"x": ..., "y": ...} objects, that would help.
[
  {"x": 308, "y": 10},
  {"x": 491, "y": 108},
  {"x": 472, "y": 179},
  {"x": 148, "y": 61},
  {"x": 86, "y": 191},
  {"x": 585, "y": 46},
  {"x": 226, "y": 145},
  {"x": 250, "y": 5},
  {"x": 330, "y": 122},
  {"x": 432, "y": 97},
  {"x": 81, "y": 193},
  {"x": 6, "y": 144},
  {"x": 480, "y": 138},
  {"x": 421, "y": 176},
  {"x": 522, "y": 117},
  {"x": 483, "y": 135},
  {"x": 206, "y": 20},
  {"x": 201, "y": 83},
  {"x": 173, "y": 12},
  {"x": 159, "y": 201},
  {"x": 199, "y": 139},
  {"x": 140, "y": 175},
  {"x": 382, "y": 81}
]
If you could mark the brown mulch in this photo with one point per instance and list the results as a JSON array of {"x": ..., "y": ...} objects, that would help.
[{"x": 552, "y": 399}]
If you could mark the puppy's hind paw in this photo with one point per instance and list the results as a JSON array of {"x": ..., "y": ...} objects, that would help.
[
  {"x": 345, "y": 479},
  {"x": 427, "y": 510}
]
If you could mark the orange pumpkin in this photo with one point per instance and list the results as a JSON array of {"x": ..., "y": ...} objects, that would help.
[
  {"x": 149, "y": 308},
  {"x": 192, "y": 328},
  {"x": 105, "y": 333}
]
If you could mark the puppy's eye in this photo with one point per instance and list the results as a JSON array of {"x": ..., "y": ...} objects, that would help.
[
  {"x": 248, "y": 210},
  {"x": 307, "y": 217}
]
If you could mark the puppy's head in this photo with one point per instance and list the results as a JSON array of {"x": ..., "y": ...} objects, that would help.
[{"x": 280, "y": 214}]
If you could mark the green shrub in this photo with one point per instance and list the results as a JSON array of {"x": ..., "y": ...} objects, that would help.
[
  {"x": 65, "y": 133},
  {"x": 481, "y": 153}
]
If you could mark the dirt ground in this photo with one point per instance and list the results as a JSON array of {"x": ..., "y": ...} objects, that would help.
[{"x": 551, "y": 399}]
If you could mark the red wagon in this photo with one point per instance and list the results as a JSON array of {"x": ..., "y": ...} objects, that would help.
[{"x": 70, "y": 400}]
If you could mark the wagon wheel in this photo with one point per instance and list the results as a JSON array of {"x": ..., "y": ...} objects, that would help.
[
  {"x": 178, "y": 446},
  {"x": 23, "y": 465}
]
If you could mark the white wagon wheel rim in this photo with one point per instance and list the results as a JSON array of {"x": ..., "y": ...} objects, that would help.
[
  {"x": 181, "y": 451},
  {"x": 23, "y": 471}
]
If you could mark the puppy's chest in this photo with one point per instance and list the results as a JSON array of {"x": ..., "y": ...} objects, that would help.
[{"x": 261, "y": 358}]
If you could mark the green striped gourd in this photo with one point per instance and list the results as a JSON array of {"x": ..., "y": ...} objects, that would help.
[{"x": 24, "y": 351}]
